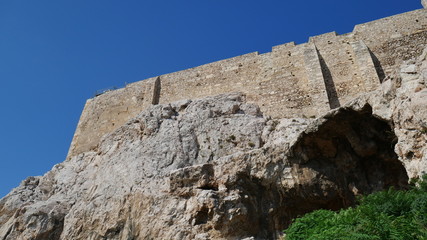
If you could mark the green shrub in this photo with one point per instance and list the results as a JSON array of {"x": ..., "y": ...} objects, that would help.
[{"x": 386, "y": 215}]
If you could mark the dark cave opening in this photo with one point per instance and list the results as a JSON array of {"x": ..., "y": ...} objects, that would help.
[{"x": 350, "y": 155}]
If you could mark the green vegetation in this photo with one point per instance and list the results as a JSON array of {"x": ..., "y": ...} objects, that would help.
[
  {"x": 389, "y": 215},
  {"x": 231, "y": 139},
  {"x": 423, "y": 129},
  {"x": 274, "y": 125}
]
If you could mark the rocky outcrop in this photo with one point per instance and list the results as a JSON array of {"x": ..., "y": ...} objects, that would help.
[{"x": 216, "y": 168}]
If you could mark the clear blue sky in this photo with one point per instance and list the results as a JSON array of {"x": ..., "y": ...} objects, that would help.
[{"x": 56, "y": 54}]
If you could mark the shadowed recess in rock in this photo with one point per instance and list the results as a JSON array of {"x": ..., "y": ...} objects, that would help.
[
  {"x": 348, "y": 155},
  {"x": 351, "y": 154}
]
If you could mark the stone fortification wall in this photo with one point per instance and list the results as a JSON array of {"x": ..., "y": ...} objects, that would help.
[
  {"x": 302, "y": 80},
  {"x": 396, "y": 38},
  {"x": 107, "y": 112}
]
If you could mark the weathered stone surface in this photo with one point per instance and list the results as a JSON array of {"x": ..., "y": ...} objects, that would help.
[
  {"x": 221, "y": 167},
  {"x": 290, "y": 81},
  {"x": 216, "y": 168}
]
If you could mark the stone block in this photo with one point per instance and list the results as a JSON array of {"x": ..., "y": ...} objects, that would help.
[{"x": 188, "y": 178}]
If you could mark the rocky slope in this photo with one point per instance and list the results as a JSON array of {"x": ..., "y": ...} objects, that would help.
[{"x": 216, "y": 168}]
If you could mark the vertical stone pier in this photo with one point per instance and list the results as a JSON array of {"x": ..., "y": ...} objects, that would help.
[
  {"x": 366, "y": 65},
  {"x": 315, "y": 77}
]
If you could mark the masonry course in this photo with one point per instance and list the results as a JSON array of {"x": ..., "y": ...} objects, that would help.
[{"x": 303, "y": 80}]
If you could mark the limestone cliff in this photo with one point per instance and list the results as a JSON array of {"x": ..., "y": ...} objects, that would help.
[{"x": 216, "y": 168}]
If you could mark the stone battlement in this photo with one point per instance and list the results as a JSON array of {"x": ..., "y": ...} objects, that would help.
[{"x": 290, "y": 81}]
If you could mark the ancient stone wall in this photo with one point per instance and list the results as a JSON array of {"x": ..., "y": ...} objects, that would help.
[
  {"x": 292, "y": 80},
  {"x": 107, "y": 112}
]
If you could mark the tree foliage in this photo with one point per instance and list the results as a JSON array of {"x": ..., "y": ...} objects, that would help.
[{"x": 390, "y": 215}]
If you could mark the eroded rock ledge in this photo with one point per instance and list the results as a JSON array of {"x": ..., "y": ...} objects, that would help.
[{"x": 216, "y": 168}]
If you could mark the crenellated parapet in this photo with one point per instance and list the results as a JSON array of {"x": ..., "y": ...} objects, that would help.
[{"x": 302, "y": 80}]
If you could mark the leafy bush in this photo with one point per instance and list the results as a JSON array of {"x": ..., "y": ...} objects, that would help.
[{"x": 389, "y": 215}]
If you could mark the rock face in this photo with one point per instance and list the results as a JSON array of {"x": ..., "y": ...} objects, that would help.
[{"x": 216, "y": 168}]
